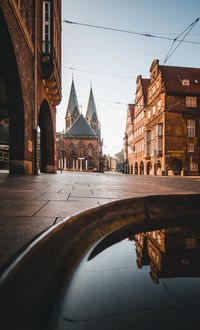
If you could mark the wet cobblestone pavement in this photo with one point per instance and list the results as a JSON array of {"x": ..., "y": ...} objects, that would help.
[{"x": 30, "y": 205}]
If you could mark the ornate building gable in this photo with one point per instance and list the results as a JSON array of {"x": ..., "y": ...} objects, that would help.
[{"x": 72, "y": 108}]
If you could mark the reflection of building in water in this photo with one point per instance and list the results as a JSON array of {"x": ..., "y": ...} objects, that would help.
[{"x": 172, "y": 252}]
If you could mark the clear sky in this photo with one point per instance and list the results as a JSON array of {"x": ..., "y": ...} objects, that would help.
[{"x": 112, "y": 60}]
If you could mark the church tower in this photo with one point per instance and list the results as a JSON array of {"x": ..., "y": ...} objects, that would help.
[
  {"x": 72, "y": 112},
  {"x": 91, "y": 114}
]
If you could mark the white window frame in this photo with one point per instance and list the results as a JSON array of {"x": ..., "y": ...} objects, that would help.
[
  {"x": 159, "y": 238},
  {"x": 191, "y": 127},
  {"x": 185, "y": 82},
  {"x": 46, "y": 27},
  {"x": 149, "y": 114},
  {"x": 190, "y": 147},
  {"x": 154, "y": 110},
  {"x": 159, "y": 105},
  {"x": 191, "y": 101},
  {"x": 193, "y": 165}
]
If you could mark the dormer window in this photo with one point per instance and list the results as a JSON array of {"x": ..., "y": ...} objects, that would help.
[{"x": 185, "y": 82}]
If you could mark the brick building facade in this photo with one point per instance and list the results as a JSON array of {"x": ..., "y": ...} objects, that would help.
[
  {"x": 170, "y": 121},
  {"x": 171, "y": 252},
  {"x": 80, "y": 146},
  {"x": 128, "y": 141},
  {"x": 30, "y": 80}
]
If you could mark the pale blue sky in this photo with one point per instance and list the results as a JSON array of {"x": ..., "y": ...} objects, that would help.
[{"x": 108, "y": 53}]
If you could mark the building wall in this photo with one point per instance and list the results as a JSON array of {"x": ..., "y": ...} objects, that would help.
[
  {"x": 171, "y": 145},
  {"x": 20, "y": 19},
  {"x": 76, "y": 160},
  {"x": 129, "y": 140}
]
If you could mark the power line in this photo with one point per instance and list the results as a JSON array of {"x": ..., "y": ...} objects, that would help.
[
  {"x": 98, "y": 73},
  {"x": 186, "y": 31},
  {"x": 149, "y": 35},
  {"x": 101, "y": 100}
]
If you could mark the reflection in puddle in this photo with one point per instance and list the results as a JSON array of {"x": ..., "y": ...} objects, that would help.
[
  {"x": 172, "y": 252},
  {"x": 114, "y": 287}
]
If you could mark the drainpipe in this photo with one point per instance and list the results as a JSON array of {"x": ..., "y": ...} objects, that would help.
[{"x": 35, "y": 168}]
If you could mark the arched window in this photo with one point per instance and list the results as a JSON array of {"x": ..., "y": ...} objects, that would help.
[
  {"x": 90, "y": 150},
  {"x": 71, "y": 149},
  {"x": 81, "y": 149}
]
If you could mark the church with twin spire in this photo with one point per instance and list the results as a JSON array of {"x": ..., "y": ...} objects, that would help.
[{"x": 80, "y": 146}]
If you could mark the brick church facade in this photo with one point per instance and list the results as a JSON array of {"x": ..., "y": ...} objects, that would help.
[{"x": 80, "y": 146}]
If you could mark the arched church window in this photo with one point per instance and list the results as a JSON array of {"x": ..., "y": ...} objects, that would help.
[
  {"x": 90, "y": 150},
  {"x": 81, "y": 149},
  {"x": 71, "y": 148}
]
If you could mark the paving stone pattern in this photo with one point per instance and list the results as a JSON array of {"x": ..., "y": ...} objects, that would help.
[{"x": 29, "y": 205}]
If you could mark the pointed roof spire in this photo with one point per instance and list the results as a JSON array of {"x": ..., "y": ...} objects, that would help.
[
  {"x": 73, "y": 102},
  {"x": 91, "y": 108}
]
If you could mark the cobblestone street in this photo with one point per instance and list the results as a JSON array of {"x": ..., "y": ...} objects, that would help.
[{"x": 29, "y": 205}]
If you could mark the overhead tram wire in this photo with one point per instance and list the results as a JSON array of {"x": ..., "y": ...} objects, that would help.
[
  {"x": 148, "y": 35},
  {"x": 98, "y": 73},
  {"x": 188, "y": 29}
]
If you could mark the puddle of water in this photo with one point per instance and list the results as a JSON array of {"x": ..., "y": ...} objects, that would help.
[{"x": 147, "y": 281}]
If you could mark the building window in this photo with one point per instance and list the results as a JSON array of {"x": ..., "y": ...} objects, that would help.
[
  {"x": 193, "y": 165},
  {"x": 159, "y": 238},
  {"x": 154, "y": 110},
  {"x": 157, "y": 84},
  {"x": 160, "y": 129},
  {"x": 46, "y": 28},
  {"x": 154, "y": 88},
  {"x": 191, "y": 127},
  {"x": 191, "y": 101},
  {"x": 190, "y": 147},
  {"x": 90, "y": 151},
  {"x": 159, "y": 105},
  {"x": 190, "y": 243},
  {"x": 185, "y": 82},
  {"x": 71, "y": 149},
  {"x": 149, "y": 114}
]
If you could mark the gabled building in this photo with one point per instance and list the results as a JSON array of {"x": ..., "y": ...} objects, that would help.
[
  {"x": 139, "y": 124},
  {"x": 128, "y": 141},
  {"x": 173, "y": 121},
  {"x": 166, "y": 122},
  {"x": 80, "y": 146}
]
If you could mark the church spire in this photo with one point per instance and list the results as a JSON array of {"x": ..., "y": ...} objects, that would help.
[
  {"x": 73, "y": 111},
  {"x": 91, "y": 113}
]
